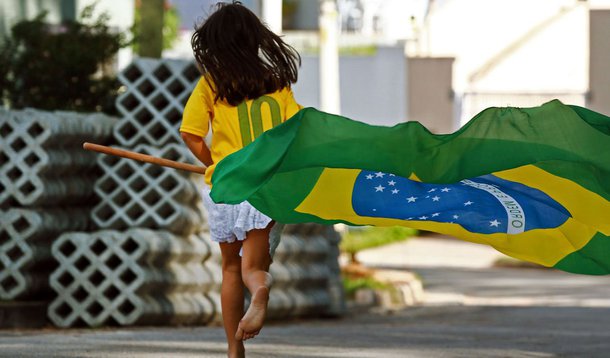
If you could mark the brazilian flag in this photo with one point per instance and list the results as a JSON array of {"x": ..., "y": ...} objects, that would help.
[{"x": 534, "y": 183}]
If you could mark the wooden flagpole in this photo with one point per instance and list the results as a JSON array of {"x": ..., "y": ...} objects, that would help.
[{"x": 144, "y": 158}]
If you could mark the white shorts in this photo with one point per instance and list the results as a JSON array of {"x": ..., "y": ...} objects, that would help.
[{"x": 229, "y": 223}]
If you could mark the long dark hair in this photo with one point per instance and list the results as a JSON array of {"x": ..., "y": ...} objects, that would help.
[{"x": 241, "y": 56}]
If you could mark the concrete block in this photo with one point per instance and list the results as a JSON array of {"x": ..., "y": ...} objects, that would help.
[
  {"x": 25, "y": 239},
  {"x": 42, "y": 162},
  {"x": 131, "y": 277},
  {"x": 156, "y": 92},
  {"x": 149, "y": 196}
]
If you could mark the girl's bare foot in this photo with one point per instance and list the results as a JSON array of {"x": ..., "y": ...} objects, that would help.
[{"x": 252, "y": 322}]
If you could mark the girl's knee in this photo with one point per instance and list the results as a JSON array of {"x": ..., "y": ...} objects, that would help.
[
  {"x": 249, "y": 268},
  {"x": 245, "y": 271},
  {"x": 232, "y": 265},
  {"x": 258, "y": 261}
]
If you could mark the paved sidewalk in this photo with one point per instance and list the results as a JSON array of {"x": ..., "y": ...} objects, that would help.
[
  {"x": 431, "y": 251},
  {"x": 469, "y": 312}
]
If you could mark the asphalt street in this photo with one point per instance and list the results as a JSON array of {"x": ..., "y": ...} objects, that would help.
[{"x": 471, "y": 310}]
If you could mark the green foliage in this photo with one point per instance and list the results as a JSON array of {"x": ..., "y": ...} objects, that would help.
[
  {"x": 5, "y": 61},
  {"x": 355, "y": 51},
  {"x": 60, "y": 67},
  {"x": 358, "y": 239},
  {"x": 289, "y": 9},
  {"x": 364, "y": 50},
  {"x": 351, "y": 285},
  {"x": 171, "y": 24}
]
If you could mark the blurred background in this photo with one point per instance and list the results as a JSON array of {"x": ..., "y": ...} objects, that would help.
[
  {"x": 90, "y": 240},
  {"x": 435, "y": 61}
]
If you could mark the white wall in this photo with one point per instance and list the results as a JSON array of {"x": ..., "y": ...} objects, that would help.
[
  {"x": 121, "y": 16},
  {"x": 556, "y": 59},
  {"x": 392, "y": 17},
  {"x": 373, "y": 88},
  {"x": 13, "y": 11},
  {"x": 476, "y": 31}
]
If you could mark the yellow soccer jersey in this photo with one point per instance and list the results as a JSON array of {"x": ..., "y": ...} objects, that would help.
[{"x": 233, "y": 127}]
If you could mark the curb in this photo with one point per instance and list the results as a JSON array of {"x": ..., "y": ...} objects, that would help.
[{"x": 406, "y": 290}]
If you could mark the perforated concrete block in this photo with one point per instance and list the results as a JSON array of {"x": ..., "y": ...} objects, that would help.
[
  {"x": 132, "y": 277},
  {"x": 54, "y": 129},
  {"x": 156, "y": 92},
  {"x": 281, "y": 305},
  {"x": 25, "y": 239},
  {"x": 143, "y": 195},
  {"x": 337, "y": 305},
  {"x": 309, "y": 302},
  {"x": 306, "y": 271},
  {"x": 303, "y": 283},
  {"x": 42, "y": 162},
  {"x": 33, "y": 191}
]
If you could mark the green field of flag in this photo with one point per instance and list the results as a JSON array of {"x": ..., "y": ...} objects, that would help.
[{"x": 534, "y": 183}]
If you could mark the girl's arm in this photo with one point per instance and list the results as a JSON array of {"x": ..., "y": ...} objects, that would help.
[{"x": 198, "y": 147}]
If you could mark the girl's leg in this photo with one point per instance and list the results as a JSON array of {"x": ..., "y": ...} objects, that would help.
[
  {"x": 232, "y": 295},
  {"x": 255, "y": 273}
]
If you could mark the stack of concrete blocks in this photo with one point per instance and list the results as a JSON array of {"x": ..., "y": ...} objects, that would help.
[
  {"x": 137, "y": 276},
  {"x": 306, "y": 274},
  {"x": 46, "y": 188},
  {"x": 152, "y": 104},
  {"x": 101, "y": 280},
  {"x": 146, "y": 262}
]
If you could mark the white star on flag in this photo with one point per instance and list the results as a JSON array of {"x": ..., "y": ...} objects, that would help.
[
  {"x": 423, "y": 217},
  {"x": 379, "y": 188},
  {"x": 431, "y": 190},
  {"x": 369, "y": 177},
  {"x": 395, "y": 191},
  {"x": 391, "y": 182},
  {"x": 411, "y": 199},
  {"x": 435, "y": 214},
  {"x": 445, "y": 190},
  {"x": 468, "y": 203},
  {"x": 379, "y": 174},
  {"x": 494, "y": 223},
  {"x": 456, "y": 216},
  {"x": 436, "y": 198}
]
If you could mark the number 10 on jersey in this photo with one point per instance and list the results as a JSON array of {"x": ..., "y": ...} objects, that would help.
[{"x": 252, "y": 123}]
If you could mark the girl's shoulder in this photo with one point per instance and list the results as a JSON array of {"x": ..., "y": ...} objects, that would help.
[
  {"x": 205, "y": 88},
  {"x": 283, "y": 92},
  {"x": 205, "y": 84},
  {"x": 283, "y": 96}
]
